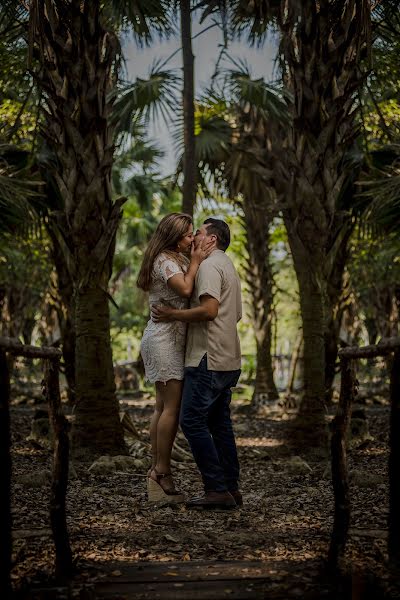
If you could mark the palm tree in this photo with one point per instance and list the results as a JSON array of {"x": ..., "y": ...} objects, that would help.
[
  {"x": 370, "y": 166},
  {"x": 189, "y": 158},
  {"x": 187, "y": 109},
  {"x": 321, "y": 47},
  {"x": 257, "y": 203},
  {"x": 78, "y": 66},
  {"x": 311, "y": 173},
  {"x": 79, "y": 62},
  {"x": 256, "y": 105},
  {"x": 337, "y": 291},
  {"x": 18, "y": 197},
  {"x": 230, "y": 146}
]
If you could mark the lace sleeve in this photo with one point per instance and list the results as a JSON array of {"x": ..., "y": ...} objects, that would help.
[{"x": 166, "y": 267}]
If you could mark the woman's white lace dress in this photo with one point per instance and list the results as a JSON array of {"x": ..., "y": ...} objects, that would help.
[{"x": 163, "y": 344}]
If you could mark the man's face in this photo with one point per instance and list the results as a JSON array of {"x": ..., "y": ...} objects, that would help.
[{"x": 201, "y": 234}]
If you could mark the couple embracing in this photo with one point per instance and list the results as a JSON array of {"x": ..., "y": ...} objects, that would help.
[{"x": 191, "y": 352}]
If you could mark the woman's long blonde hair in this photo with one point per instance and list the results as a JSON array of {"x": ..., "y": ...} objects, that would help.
[{"x": 170, "y": 230}]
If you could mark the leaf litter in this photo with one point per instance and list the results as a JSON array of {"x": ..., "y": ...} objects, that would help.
[{"x": 286, "y": 519}]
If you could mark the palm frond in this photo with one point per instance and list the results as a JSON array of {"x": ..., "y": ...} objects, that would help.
[
  {"x": 145, "y": 19},
  {"x": 141, "y": 152},
  {"x": 380, "y": 195},
  {"x": 269, "y": 99},
  {"x": 146, "y": 99},
  {"x": 253, "y": 20},
  {"x": 386, "y": 21},
  {"x": 384, "y": 208},
  {"x": 14, "y": 17},
  {"x": 143, "y": 188},
  {"x": 213, "y": 136},
  {"x": 18, "y": 192}
]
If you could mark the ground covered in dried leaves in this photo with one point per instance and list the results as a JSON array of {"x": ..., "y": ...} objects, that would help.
[{"x": 286, "y": 518}]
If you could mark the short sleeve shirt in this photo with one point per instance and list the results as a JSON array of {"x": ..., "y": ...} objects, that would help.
[{"x": 216, "y": 277}]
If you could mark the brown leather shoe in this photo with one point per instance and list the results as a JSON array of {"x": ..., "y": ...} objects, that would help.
[
  {"x": 237, "y": 497},
  {"x": 213, "y": 500}
]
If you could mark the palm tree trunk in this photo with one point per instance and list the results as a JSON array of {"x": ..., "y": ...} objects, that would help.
[
  {"x": 79, "y": 63},
  {"x": 309, "y": 429},
  {"x": 97, "y": 414},
  {"x": 322, "y": 45},
  {"x": 312, "y": 312},
  {"x": 260, "y": 282},
  {"x": 265, "y": 389},
  {"x": 189, "y": 157}
]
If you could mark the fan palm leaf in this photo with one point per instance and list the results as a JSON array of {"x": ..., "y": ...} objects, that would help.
[
  {"x": 386, "y": 21},
  {"x": 227, "y": 124},
  {"x": 253, "y": 20},
  {"x": 20, "y": 193},
  {"x": 269, "y": 99},
  {"x": 144, "y": 19},
  {"x": 13, "y": 20},
  {"x": 145, "y": 99},
  {"x": 380, "y": 197}
]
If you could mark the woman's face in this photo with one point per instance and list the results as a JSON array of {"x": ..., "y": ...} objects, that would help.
[{"x": 185, "y": 243}]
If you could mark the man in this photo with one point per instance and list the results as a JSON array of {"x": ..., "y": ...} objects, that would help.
[{"x": 212, "y": 368}]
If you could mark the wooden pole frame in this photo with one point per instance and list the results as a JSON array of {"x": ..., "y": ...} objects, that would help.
[
  {"x": 341, "y": 423},
  {"x": 394, "y": 463},
  {"x": 5, "y": 479},
  {"x": 340, "y": 480},
  {"x": 52, "y": 357},
  {"x": 59, "y": 480}
]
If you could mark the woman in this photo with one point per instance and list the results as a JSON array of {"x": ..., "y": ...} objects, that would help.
[{"x": 168, "y": 271}]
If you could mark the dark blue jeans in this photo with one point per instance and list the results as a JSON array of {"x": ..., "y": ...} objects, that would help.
[{"x": 206, "y": 422}]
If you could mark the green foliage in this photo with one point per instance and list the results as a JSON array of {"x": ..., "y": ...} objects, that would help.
[
  {"x": 374, "y": 269},
  {"x": 149, "y": 199},
  {"x": 144, "y": 19},
  {"x": 222, "y": 114},
  {"x": 286, "y": 302},
  {"x": 145, "y": 99},
  {"x": 383, "y": 126},
  {"x": 25, "y": 268},
  {"x": 20, "y": 192},
  {"x": 19, "y": 126}
]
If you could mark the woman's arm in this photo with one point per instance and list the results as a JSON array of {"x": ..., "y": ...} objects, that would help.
[
  {"x": 207, "y": 311},
  {"x": 183, "y": 283}
]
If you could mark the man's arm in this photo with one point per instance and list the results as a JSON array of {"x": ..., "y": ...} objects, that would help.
[{"x": 207, "y": 311}]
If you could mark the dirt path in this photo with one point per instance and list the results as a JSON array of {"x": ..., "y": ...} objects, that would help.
[{"x": 286, "y": 518}]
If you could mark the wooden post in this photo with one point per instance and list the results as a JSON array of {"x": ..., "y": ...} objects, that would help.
[
  {"x": 338, "y": 447},
  {"x": 52, "y": 358},
  {"x": 339, "y": 462},
  {"x": 394, "y": 462},
  {"x": 5, "y": 479},
  {"x": 60, "y": 470}
]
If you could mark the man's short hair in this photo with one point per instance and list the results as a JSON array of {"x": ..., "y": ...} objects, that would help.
[{"x": 221, "y": 230}]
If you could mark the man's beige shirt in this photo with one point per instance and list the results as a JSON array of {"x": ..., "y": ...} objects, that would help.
[{"x": 216, "y": 277}]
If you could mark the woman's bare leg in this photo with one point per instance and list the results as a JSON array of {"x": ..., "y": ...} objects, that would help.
[
  {"x": 153, "y": 428},
  {"x": 170, "y": 395}
]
